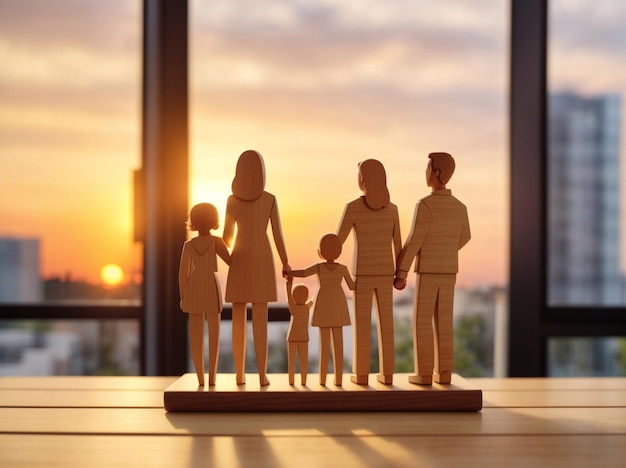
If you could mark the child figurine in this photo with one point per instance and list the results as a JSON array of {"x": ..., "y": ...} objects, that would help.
[
  {"x": 330, "y": 313},
  {"x": 200, "y": 294},
  {"x": 298, "y": 334}
]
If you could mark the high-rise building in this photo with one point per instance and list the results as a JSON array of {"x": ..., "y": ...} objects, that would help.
[
  {"x": 19, "y": 270},
  {"x": 584, "y": 200}
]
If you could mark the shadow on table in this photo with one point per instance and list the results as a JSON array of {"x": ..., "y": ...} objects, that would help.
[{"x": 277, "y": 439}]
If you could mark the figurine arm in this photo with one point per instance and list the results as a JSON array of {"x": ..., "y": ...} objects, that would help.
[
  {"x": 184, "y": 270},
  {"x": 308, "y": 271},
  {"x": 229, "y": 223},
  {"x": 346, "y": 224},
  {"x": 291, "y": 302},
  {"x": 465, "y": 232},
  {"x": 421, "y": 224},
  {"x": 221, "y": 250},
  {"x": 397, "y": 239},
  {"x": 279, "y": 241},
  {"x": 348, "y": 278}
]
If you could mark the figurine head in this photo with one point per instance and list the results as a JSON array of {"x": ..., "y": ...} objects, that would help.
[
  {"x": 300, "y": 293},
  {"x": 249, "y": 181},
  {"x": 203, "y": 217},
  {"x": 373, "y": 183},
  {"x": 330, "y": 247},
  {"x": 441, "y": 167}
]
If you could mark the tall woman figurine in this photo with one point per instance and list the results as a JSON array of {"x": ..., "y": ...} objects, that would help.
[
  {"x": 200, "y": 294},
  {"x": 251, "y": 277},
  {"x": 377, "y": 245}
]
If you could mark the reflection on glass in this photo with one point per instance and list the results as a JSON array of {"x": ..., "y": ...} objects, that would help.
[
  {"x": 69, "y": 139},
  {"x": 584, "y": 203},
  {"x": 69, "y": 347},
  {"x": 586, "y": 211},
  {"x": 586, "y": 357}
]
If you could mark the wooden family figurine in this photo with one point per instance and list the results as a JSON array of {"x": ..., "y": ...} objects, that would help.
[
  {"x": 298, "y": 333},
  {"x": 200, "y": 294},
  {"x": 376, "y": 226},
  {"x": 330, "y": 313},
  {"x": 251, "y": 276},
  {"x": 440, "y": 229}
]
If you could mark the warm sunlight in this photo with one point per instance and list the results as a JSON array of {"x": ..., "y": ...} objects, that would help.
[{"x": 111, "y": 274}]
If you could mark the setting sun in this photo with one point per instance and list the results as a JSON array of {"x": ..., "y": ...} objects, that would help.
[{"x": 111, "y": 274}]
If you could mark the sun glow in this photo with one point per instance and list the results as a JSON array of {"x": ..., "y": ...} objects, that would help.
[{"x": 111, "y": 274}]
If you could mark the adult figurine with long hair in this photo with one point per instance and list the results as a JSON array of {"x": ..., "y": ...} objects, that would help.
[
  {"x": 251, "y": 277},
  {"x": 440, "y": 229},
  {"x": 200, "y": 294},
  {"x": 377, "y": 243}
]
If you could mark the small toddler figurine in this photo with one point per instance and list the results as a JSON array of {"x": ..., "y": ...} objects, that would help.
[
  {"x": 298, "y": 334},
  {"x": 330, "y": 313}
]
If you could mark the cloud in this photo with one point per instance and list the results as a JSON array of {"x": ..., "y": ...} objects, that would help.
[
  {"x": 114, "y": 25},
  {"x": 346, "y": 43},
  {"x": 373, "y": 66},
  {"x": 317, "y": 85},
  {"x": 588, "y": 27}
]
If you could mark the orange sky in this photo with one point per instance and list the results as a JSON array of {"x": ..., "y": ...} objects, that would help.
[{"x": 315, "y": 87}]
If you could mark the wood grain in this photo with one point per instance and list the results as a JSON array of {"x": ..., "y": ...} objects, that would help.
[
  {"x": 185, "y": 395},
  {"x": 359, "y": 449},
  {"x": 524, "y": 422}
]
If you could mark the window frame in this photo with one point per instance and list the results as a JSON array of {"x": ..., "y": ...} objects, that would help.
[
  {"x": 531, "y": 320},
  {"x": 165, "y": 165}
]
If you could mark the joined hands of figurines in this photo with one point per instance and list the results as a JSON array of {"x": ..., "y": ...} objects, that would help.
[
  {"x": 440, "y": 229},
  {"x": 330, "y": 312}
]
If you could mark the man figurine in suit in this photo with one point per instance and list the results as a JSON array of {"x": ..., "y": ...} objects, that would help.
[{"x": 440, "y": 229}]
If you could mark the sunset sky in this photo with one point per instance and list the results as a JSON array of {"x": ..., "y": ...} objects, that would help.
[{"x": 314, "y": 86}]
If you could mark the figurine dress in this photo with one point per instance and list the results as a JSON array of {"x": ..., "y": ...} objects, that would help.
[
  {"x": 201, "y": 297},
  {"x": 331, "y": 307},
  {"x": 251, "y": 277},
  {"x": 201, "y": 293}
]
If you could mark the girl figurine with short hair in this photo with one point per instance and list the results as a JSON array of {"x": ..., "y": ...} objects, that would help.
[
  {"x": 200, "y": 294},
  {"x": 330, "y": 312}
]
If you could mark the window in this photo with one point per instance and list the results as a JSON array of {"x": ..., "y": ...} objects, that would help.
[
  {"x": 586, "y": 209},
  {"x": 357, "y": 80},
  {"x": 567, "y": 283},
  {"x": 69, "y": 140},
  {"x": 317, "y": 86}
]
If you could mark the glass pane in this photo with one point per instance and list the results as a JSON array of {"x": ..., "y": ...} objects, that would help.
[
  {"x": 69, "y": 139},
  {"x": 69, "y": 347},
  {"x": 318, "y": 86},
  {"x": 587, "y": 213},
  {"x": 586, "y": 357}
]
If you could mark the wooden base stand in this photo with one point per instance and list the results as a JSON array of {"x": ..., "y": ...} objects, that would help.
[{"x": 279, "y": 396}]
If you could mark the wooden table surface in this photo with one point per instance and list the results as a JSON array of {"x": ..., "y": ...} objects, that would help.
[{"x": 120, "y": 421}]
